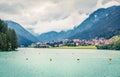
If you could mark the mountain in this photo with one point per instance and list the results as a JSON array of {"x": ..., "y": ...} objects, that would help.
[
  {"x": 52, "y": 35},
  {"x": 101, "y": 23},
  {"x": 48, "y": 36},
  {"x": 24, "y": 37}
]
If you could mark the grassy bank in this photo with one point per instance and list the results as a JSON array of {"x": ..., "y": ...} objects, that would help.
[{"x": 76, "y": 47}]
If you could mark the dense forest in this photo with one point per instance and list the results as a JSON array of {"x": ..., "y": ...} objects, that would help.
[
  {"x": 8, "y": 38},
  {"x": 112, "y": 46}
]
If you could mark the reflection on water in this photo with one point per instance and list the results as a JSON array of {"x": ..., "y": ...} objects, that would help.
[{"x": 29, "y": 62}]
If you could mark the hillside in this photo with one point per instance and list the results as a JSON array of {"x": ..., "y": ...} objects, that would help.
[
  {"x": 113, "y": 46},
  {"x": 24, "y": 37},
  {"x": 101, "y": 23}
]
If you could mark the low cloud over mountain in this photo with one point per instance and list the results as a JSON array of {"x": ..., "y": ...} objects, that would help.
[{"x": 41, "y": 16}]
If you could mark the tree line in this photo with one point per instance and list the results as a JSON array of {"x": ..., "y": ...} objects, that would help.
[
  {"x": 112, "y": 46},
  {"x": 8, "y": 38}
]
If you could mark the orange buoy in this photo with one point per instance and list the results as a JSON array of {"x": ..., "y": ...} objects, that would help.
[{"x": 110, "y": 59}]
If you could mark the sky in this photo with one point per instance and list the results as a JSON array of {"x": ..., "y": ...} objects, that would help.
[{"x": 40, "y": 16}]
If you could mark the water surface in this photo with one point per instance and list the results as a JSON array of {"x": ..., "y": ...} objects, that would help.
[{"x": 30, "y": 62}]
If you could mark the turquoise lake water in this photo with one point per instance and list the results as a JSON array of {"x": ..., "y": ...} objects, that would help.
[{"x": 30, "y": 62}]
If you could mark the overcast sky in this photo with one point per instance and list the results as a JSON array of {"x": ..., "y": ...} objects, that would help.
[{"x": 39, "y": 16}]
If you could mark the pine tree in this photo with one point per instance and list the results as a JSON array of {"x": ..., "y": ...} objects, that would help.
[{"x": 8, "y": 38}]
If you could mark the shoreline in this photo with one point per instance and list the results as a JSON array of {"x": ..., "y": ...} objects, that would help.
[{"x": 71, "y": 47}]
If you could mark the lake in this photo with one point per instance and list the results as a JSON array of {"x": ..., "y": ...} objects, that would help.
[{"x": 31, "y": 62}]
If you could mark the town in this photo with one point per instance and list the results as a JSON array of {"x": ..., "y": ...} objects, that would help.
[{"x": 74, "y": 42}]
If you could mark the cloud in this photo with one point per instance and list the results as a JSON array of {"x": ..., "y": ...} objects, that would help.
[
  {"x": 62, "y": 24},
  {"x": 108, "y": 3},
  {"x": 40, "y": 16}
]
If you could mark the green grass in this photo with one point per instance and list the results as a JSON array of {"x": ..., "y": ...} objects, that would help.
[
  {"x": 76, "y": 47},
  {"x": 116, "y": 37}
]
